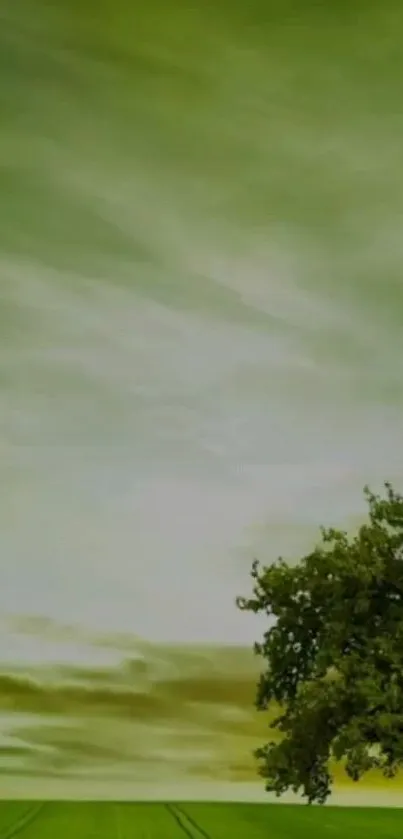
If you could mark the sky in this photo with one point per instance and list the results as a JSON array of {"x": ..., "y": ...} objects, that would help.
[{"x": 201, "y": 306}]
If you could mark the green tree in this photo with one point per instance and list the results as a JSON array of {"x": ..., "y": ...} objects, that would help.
[{"x": 333, "y": 654}]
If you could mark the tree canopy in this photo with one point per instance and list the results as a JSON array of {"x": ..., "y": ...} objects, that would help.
[{"x": 333, "y": 654}]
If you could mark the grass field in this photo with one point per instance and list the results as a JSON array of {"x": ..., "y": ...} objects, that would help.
[{"x": 109, "y": 820}]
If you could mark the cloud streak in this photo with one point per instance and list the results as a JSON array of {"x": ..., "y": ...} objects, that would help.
[{"x": 182, "y": 705}]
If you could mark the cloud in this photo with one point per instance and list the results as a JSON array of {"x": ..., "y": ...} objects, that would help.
[{"x": 170, "y": 707}]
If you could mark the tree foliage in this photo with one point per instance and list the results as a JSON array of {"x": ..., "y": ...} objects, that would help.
[{"x": 333, "y": 654}]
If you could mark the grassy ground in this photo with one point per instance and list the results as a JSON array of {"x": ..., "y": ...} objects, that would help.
[{"x": 196, "y": 821}]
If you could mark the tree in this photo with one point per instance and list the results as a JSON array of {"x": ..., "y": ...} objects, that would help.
[{"x": 333, "y": 654}]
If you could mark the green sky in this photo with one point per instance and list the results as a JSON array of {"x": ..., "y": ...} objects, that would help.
[{"x": 201, "y": 308}]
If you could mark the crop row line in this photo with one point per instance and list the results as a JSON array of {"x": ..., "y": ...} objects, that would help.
[
  {"x": 23, "y": 822},
  {"x": 183, "y": 821}
]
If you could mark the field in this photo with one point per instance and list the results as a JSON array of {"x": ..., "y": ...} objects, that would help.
[{"x": 49, "y": 820}]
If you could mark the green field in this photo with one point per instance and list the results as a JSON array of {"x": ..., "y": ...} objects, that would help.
[{"x": 56, "y": 820}]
